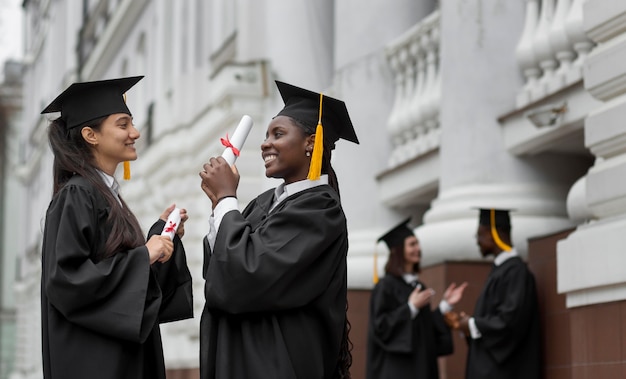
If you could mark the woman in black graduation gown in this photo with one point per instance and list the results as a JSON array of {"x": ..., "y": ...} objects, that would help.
[
  {"x": 104, "y": 289},
  {"x": 404, "y": 336},
  {"x": 276, "y": 272}
]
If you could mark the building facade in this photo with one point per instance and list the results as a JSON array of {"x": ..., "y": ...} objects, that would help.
[{"x": 457, "y": 104}]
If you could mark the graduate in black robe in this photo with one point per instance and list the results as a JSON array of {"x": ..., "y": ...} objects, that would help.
[
  {"x": 504, "y": 331},
  {"x": 104, "y": 289},
  {"x": 405, "y": 336},
  {"x": 276, "y": 281}
]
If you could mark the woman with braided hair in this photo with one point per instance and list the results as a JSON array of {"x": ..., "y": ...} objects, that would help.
[{"x": 276, "y": 278}]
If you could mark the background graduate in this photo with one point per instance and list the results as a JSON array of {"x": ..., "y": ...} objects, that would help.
[
  {"x": 276, "y": 273},
  {"x": 405, "y": 336},
  {"x": 104, "y": 289},
  {"x": 504, "y": 332}
]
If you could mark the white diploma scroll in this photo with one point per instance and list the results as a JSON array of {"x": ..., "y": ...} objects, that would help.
[
  {"x": 237, "y": 140},
  {"x": 171, "y": 224}
]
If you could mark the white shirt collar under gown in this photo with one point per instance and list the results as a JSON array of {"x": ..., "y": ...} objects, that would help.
[
  {"x": 504, "y": 256},
  {"x": 112, "y": 184},
  {"x": 410, "y": 278},
  {"x": 285, "y": 190}
]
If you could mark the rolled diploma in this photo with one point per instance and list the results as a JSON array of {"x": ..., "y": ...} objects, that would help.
[
  {"x": 171, "y": 224},
  {"x": 238, "y": 138}
]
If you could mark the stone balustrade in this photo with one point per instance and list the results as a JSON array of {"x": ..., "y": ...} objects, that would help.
[
  {"x": 552, "y": 48},
  {"x": 413, "y": 123}
]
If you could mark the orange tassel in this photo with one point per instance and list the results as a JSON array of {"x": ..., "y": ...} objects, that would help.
[
  {"x": 126, "y": 170},
  {"x": 375, "y": 276},
  {"x": 315, "y": 168},
  {"x": 494, "y": 233}
]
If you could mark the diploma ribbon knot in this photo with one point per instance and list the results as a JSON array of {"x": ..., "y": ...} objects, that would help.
[
  {"x": 171, "y": 227},
  {"x": 226, "y": 142}
]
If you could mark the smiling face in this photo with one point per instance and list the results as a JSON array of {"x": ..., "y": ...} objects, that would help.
[
  {"x": 113, "y": 142},
  {"x": 412, "y": 253},
  {"x": 284, "y": 150}
]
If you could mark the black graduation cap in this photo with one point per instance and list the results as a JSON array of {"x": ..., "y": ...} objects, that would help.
[
  {"x": 304, "y": 106},
  {"x": 397, "y": 235},
  {"x": 86, "y": 101},
  {"x": 496, "y": 219},
  {"x": 501, "y": 217}
]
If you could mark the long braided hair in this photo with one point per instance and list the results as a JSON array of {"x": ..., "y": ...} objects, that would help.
[
  {"x": 74, "y": 156},
  {"x": 345, "y": 353}
]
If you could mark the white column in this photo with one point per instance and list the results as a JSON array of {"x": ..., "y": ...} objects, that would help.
[
  {"x": 361, "y": 79},
  {"x": 590, "y": 261},
  {"x": 476, "y": 169}
]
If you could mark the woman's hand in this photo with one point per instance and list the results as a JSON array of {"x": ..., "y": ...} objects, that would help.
[
  {"x": 160, "y": 248},
  {"x": 454, "y": 294},
  {"x": 219, "y": 179},
  {"x": 420, "y": 297}
]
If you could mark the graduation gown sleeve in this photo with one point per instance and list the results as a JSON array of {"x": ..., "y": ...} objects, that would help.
[
  {"x": 391, "y": 320},
  {"x": 174, "y": 280},
  {"x": 255, "y": 268},
  {"x": 108, "y": 296}
]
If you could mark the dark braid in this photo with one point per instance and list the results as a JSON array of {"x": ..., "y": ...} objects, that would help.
[{"x": 345, "y": 354}]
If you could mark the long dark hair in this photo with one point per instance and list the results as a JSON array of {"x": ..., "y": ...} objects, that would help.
[
  {"x": 74, "y": 156},
  {"x": 395, "y": 263},
  {"x": 345, "y": 354}
]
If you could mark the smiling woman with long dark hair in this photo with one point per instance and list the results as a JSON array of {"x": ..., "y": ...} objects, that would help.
[
  {"x": 276, "y": 277},
  {"x": 405, "y": 336},
  {"x": 104, "y": 288}
]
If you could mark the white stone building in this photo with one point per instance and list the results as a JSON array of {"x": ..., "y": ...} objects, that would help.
[{"x": 457, "y": 104}]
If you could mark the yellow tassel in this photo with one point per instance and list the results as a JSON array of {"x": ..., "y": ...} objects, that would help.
[
  {"x": 375, "y": 276},
  {"x": 126, "y": 170},
  {"x": 494, "y": 233},
  {"x": 315, "y": 168}
]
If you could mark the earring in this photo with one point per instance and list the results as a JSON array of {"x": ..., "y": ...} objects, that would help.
[{"x": 308, "y": 153}]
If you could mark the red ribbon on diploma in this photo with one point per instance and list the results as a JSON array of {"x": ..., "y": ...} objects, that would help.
[
  {"x": 226, "y": 142},
  {"x": 171, "y": 227}
]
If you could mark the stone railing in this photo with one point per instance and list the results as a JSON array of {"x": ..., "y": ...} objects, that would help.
[
  {"x": 413, "y": 123},
  {"x": 552, "y": 48}
]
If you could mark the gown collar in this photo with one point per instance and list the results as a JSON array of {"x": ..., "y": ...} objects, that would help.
[{"x": 505, "y": 256}]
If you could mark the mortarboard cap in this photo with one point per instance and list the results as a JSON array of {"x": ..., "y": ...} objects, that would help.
[
  {"x": 500, "y": 216},
  {"x": 397, "y": 235},
  {"x": 304, "y": 106},
  {"x": 86, "y": 101},
  {"x": 494, "y": 219},
  {"x": 311, "y": 108}
]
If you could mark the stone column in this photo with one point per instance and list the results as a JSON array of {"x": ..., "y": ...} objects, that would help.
[
  {"x": 591, "y": 260},
  {"x": 480, "y": 79},
  {"x": 362, "y": 79}
]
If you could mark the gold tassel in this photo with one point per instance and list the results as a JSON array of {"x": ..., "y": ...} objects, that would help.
[
  {"x": 126, "y": 170},
  {"x": 126, "y": 163},
  {"x": 494, "y": 233},
  {"x": 315, "y": 168},
  {"x": 375, "y": 276}
]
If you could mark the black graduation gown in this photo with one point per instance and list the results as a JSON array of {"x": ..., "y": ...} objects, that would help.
[
  {"x": 100, "y": 318},
  {"x": 276, "y": 289},
  {"x": 398, "y": 346},
  {"x": 507, "y": 316}
]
